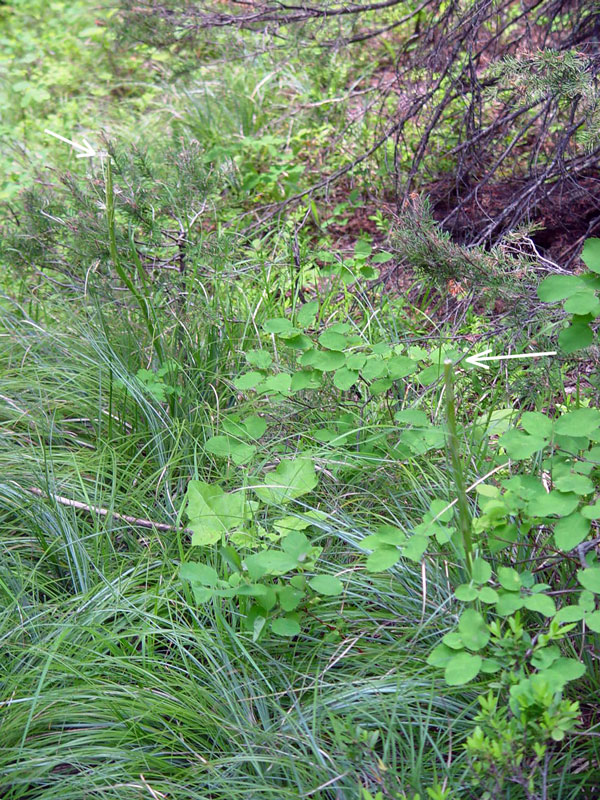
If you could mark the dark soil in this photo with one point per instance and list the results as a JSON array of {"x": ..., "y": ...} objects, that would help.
[{"x": 562, "y": 220}]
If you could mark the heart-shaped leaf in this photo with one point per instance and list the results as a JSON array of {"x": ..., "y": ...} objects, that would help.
[
  {"x": 289, "y": 480},
  {"x": 462, "y": 668}
]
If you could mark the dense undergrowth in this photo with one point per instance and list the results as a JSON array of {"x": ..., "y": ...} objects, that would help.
[{"x": 265, "y": 532}]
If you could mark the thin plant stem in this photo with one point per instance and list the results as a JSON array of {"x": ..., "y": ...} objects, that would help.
[{"x": 464, "y": 514}]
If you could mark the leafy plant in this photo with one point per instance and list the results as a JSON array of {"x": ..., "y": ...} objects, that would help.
[
  {"x": 579, "y": 296},
  {"x": 273, "y": 579}
]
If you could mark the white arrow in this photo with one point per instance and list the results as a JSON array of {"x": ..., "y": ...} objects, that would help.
[
  {"x": 86, "y": 152},
  {"x": 478, "y": 359}
]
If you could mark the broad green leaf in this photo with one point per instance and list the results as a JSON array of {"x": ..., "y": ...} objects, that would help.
[
  {"x": 574, "y": 444},
  {"x": 413, "y": 416},
  {"x": 374, "y": 368},
  {"x": 593, "y": 621},
  {"x": 290, "y": 523},
  {"x": 277, "y": 325},
  {"x": 537, "y": 424},
  {"x": 571, "y": 531},
  {"x": 508, "y": 603},
  {"x": 362, "y": 249},
  {"x": 380, "y": 386},
  {"x": 481, "y": 572},
  {"x": 580, "y": 422},
  {"x": 226, "y": 447},
  {"x": 290, "y": 598},
  {"x": 291, "y": 479},
  {"x": 340, "y": 327},
  {"x": 252, "y": 590},
  {"x": 591, "y": 512},
  {"x": 454, "y": 640},
  {"x": 305, "y": 379},
  {"x": 281, "y": 384},
  {"x": 356, "y": 361},
  {"x": 382, "y": 258},
  {"x": 429, "y": 374},
  {"x": 296, "y": 545},
  {"x": 509, "y": 579},
  {"x": 545, "y": 657},
  {"x": 325, "y": 257},
  {"x": 546, "y": 504},
  {"x": 541, "y": 603},
  {"x": 325, "y": 435},
  {"x": 564, "y": 670},
  {"x": 491, "y": 665},
  {"x": 559, "y": 287},
  {"x": 590, "y": 254},
  {"x": 473, "y": 630},
  {"x": 420, "y": 440},
  {"x": 584, "y": 302},
  {"x": 400, "y": 366},
  {"x": 205, "y": 533},
  {"x": 414, "y": 548},
  {"x": 440, "y": 656},
  {"x": 299, "y": 341},
  {"x": 345, "y": 378},
  {"x": 259, "y": 358},
  {"x": 569, "y": 614},
  {"x": 307, "y": 314},
  {"x": 326, "y": 360},
  {"x": 590, "y": 579},
  {"x": 573, "y": 482},
  {"x": 202, "y": 594},
  {"x": 488, "y": 595},
  {"x": 520, "y": 445},
  {"x": 385, "y": 535},
  {"x": 212, "y": 512},
  {"x": 266, "y": 596},
  {"x": 255, "y": 426},
  {"x": 587, "y": 601},
  {"x": 466, "y": 592},
  {"x": 383, "y": 558},
  {"x": 381, "y": 348},
  {"x": 195, "y": 572},
  {"x": 285, "y": 626},
  {"x": 438, "y": 510},
  {"x": 332, "y": 340},
  {"x": 462, "y": 668},
  {"x": 591, "y": 280},
  {"x": 269, "y": 562},
  {"x": 497, "y": 422},
  {"x": 327, "y": 585},
  {"x": 577, "y": 336},
  {"x": 248, "y": 381},
  {"x": 368, "y": 272}
]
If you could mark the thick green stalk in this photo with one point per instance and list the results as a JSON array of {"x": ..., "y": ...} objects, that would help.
[{"x": 464, "y": 514}]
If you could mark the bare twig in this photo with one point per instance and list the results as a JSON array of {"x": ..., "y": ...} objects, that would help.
[{"x": 105, "y": 512}]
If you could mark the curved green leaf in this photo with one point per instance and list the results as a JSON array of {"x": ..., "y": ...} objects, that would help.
[{"x": 462, "y": 668}]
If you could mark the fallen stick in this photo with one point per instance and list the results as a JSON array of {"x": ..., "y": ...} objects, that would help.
[{"x": 104, "y": 512}]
